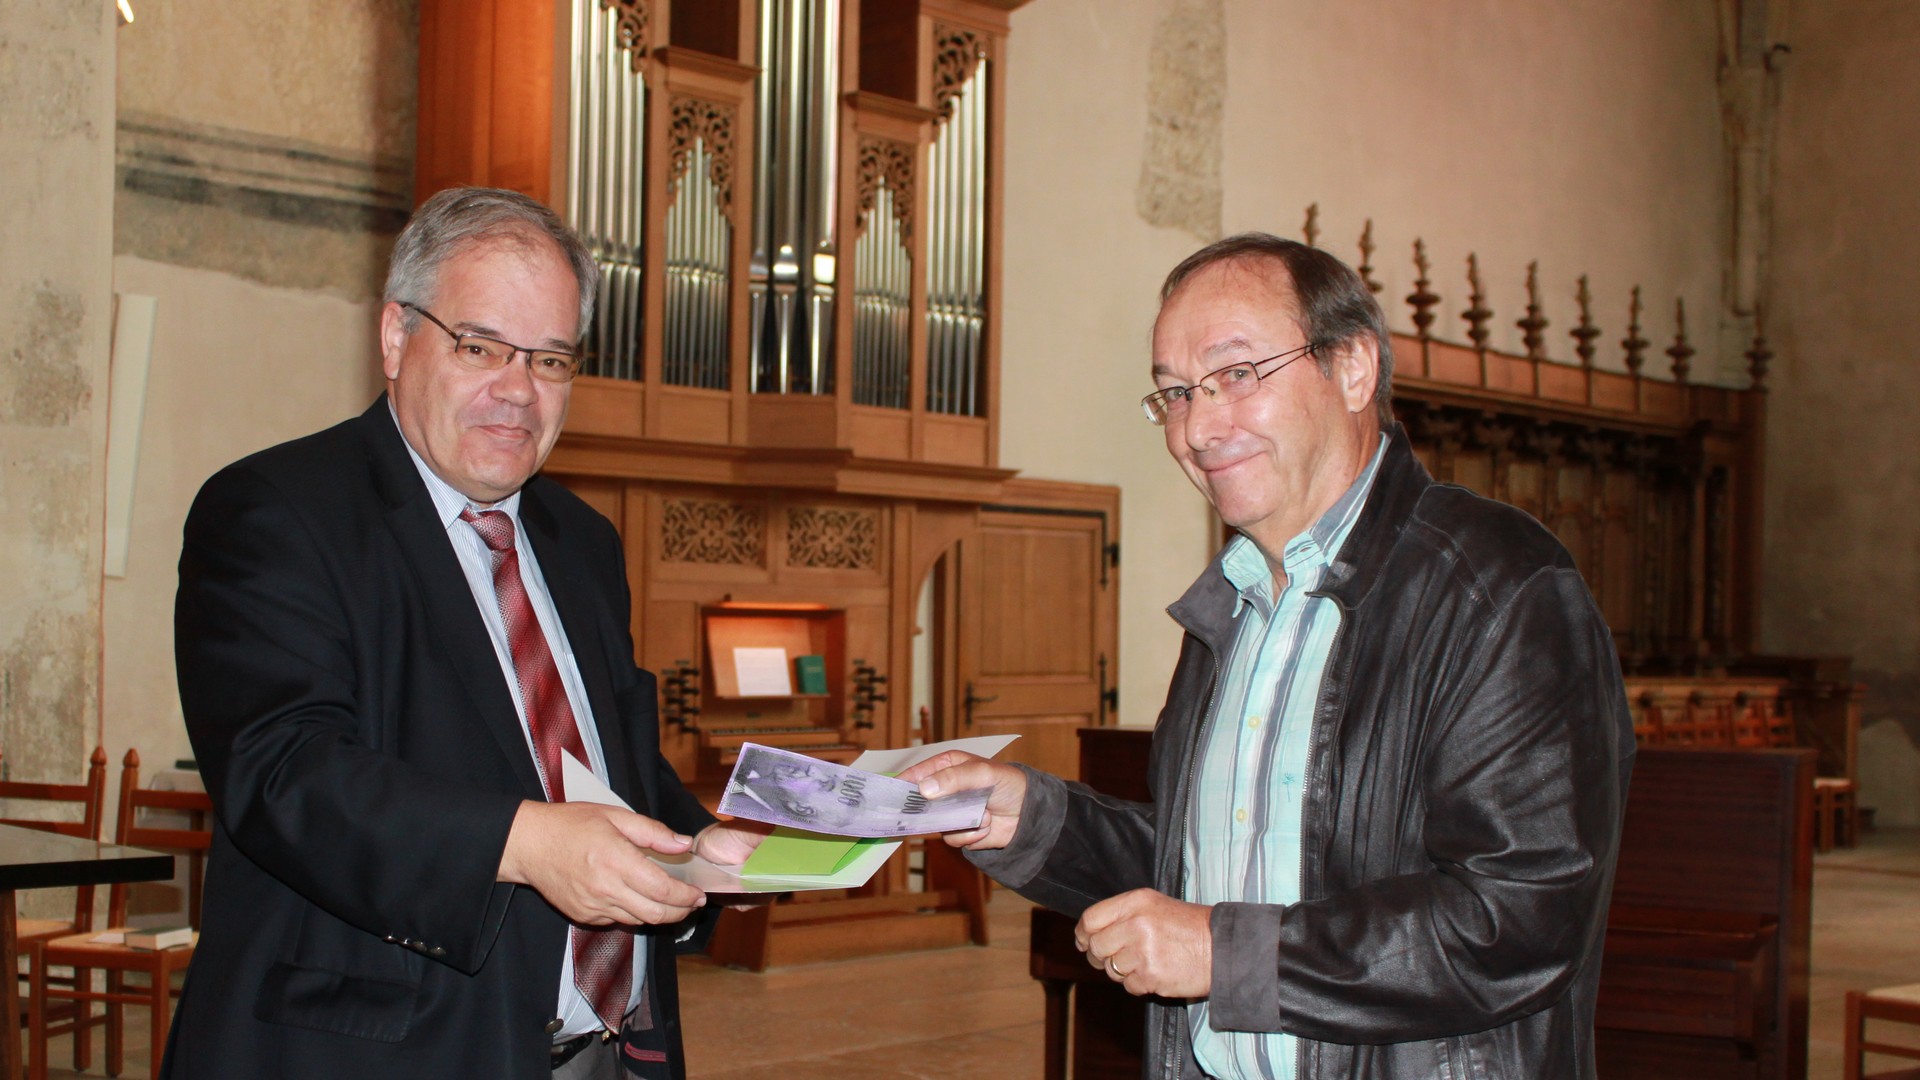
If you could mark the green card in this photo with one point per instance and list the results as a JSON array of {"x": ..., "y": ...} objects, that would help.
[{"x": 794, "y": 852}]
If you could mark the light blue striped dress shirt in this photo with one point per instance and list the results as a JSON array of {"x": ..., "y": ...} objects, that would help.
[{"x": 1243, "y": 828}]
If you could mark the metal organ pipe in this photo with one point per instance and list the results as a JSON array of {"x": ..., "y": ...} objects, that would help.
[
  {"x": 695, "y": 345},
  {"x": 605, "y": 160},
  {"x": 791, "y": 275},
  {"x": 956, "y": 299}
]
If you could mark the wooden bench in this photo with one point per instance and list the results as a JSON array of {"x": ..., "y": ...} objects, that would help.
[{"x": 1708, "y": 939}]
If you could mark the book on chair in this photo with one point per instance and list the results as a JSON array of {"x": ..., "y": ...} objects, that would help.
[{"x": 155, "y": 938}]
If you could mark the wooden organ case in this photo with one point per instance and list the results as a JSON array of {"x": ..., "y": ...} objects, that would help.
[{"x": 790, "y": 402}]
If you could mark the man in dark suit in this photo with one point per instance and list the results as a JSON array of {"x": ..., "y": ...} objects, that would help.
[{"x": 389, "y": 636}]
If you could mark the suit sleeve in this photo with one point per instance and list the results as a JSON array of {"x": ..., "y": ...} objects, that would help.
[
  {"x": 304, "y": 784},
  {"x": 1523, "y": 789}
]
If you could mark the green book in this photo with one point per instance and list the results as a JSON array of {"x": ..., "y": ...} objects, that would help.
[{"x": 810, "y": 674}]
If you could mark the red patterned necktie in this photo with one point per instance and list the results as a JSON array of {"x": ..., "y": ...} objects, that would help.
[{"x": 602, "y": 959}]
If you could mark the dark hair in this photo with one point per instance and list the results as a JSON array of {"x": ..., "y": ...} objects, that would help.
[
  {"x": 1336, "y": 307},
  {"x": 456, "y": 218}
]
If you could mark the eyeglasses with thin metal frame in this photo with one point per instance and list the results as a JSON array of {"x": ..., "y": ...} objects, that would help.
[
  {"x": 1224, "y": 385},
  {"x": 492, "y": 354}
]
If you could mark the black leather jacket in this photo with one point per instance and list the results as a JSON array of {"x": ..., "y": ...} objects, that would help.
[{"x": 1466, "y": 776}]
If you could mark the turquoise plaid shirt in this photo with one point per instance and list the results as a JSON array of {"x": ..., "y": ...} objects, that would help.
[{"x": 1243, "y": 828}]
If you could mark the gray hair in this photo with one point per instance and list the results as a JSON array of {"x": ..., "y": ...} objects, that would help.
[
  {"x": 457, "y": 218},
  {"x": 1336, "y": 307}
]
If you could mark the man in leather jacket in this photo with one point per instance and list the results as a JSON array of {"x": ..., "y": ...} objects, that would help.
[{"x": 1389, "y": 775}]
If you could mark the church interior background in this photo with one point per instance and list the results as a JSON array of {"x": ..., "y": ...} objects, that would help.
[{"x": 880, "y": 277}]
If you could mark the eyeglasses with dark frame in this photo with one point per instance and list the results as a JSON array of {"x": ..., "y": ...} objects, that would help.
[
  {"x": 1224, "y": 385},
  {"x": 492, "y": 354}
]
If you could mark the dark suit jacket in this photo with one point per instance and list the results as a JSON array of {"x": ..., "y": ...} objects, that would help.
[{"x": 360, "y": 744}]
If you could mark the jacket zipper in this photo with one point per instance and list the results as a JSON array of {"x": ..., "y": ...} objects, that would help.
[
  {"x": 1170, "y": 1066},
  {"x": 1338, "y": 666}
]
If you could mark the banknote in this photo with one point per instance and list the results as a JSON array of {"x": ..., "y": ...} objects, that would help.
[{"x": 784, "y": 788}]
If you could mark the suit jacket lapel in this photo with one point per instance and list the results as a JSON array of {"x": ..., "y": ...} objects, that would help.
[
  {"x": 458, "y": 631},
  {"x": 585, "y": 616}
]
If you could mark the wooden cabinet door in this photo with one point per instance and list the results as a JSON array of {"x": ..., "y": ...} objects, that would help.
[{"x": 1037, "y": 630}]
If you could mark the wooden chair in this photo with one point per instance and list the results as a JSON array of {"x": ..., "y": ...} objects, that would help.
[
  {"x": 87, "y": 800},
  {"x": 1900, "y": 1004},
  {"x": 118, "y": 960},
  {"x": 1836, "y": 813}
]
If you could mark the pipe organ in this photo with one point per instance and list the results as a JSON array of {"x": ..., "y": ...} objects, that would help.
[{"x": 794, "y": 204}]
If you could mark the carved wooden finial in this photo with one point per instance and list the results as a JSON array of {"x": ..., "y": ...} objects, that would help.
[
  {"x": 1312, "y": 227},
  {"x": 1366, "y": 258},
  {"x": 1535, "y": 322},
  {"x": 1633, "y": 342},
  {"x": 1422, "y": 298},
  {"x": 1584, "y": 334},
  {"x": 1759, "y": 354},
  {"x": 1680, "y": 350},
  {"x": 1477, "y": 313}
]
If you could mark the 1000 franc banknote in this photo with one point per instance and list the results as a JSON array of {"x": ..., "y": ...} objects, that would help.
[{"x": 784, "y": 788}]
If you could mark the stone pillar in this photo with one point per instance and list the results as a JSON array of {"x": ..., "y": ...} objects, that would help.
[{"x": 56, "y": 303}]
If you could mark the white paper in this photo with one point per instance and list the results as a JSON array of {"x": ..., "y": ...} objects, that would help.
[
  {"x": 894, "y": 762},
  {"x": 583, "y": 786},
  {"x": 762, "y": 672}
]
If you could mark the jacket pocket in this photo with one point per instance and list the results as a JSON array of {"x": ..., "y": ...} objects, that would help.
[{"x": 380, "y": 1010}]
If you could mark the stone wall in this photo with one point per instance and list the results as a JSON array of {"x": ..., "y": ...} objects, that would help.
[
  {"x": 263, "y": 167},
  {"x": 1843, "y": 459},
  {"x": 56, "y": 302}
]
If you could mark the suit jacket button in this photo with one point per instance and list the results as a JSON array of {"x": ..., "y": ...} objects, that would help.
[
  {"x": 391, "y": 940},
  {"x": 437, "y": 951},
  {"x": 553, "y": 1026}
]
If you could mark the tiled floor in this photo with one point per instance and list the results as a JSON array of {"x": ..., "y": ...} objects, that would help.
[{"x": 974, "y": 1012}]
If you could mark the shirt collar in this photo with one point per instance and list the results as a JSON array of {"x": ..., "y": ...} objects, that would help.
[
  {"x": 1246, "y": 568},
  {"x": 447, "y": 502}
]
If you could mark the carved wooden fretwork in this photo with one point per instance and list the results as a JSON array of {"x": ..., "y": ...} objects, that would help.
[
  {"x": 712, "y": 122},
  {"x": 956, "y": 56},
  {"x": 1620, "y": 501},
  {"x": 889, "y": 161},
  {"x": 712, "y": 532},
  {"x": 819, "y": 538},
  {"x": 633, "y": 25}
]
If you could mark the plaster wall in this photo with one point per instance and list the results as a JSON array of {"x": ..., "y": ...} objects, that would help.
[
  {"x": 262, "y": 169},
  {"x": 1586, "y": 135},
  {"x": 220, "y": 387},
  {"x": 56, "y": 303},
  {"x": 1843, "y": 461}
]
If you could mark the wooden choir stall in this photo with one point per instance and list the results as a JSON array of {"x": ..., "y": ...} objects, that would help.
[{"x": 790, "y": 405}]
